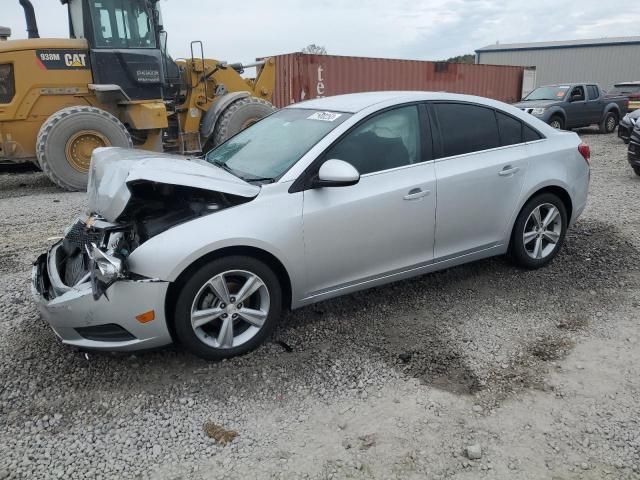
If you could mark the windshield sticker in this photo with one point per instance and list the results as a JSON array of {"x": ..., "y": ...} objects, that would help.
[
  {"x": 564, "y": 86},
  {"x": 560, "y": 94},
  {"x": 325, "y": 116}
]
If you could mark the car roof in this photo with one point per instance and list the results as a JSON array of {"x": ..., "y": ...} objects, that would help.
[{"x": 355, "y": 102}]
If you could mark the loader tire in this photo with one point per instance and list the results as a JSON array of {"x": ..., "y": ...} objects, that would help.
[
  {"x": 239, "y": 115},
  {"x": 69, "y": 136}
]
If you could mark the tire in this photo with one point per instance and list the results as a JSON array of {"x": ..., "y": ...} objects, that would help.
[
  {"x": 239, "y": 115},
  {"x": 636, "y": 170},
  {"x": 556, "y": 121},
  {"x": 525, "y": 254},
  {"x": 67, "y": 138},
  {"x": 609, "y": 123},
  {"x": 208, "y": 340}
]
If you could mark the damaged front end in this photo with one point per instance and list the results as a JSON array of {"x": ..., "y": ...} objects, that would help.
[
  {"x": 84, "y": 286},
  {"x": 95, "y": 250}
]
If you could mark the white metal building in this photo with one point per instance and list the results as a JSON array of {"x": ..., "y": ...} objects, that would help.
[{"x": 603, "y": 60}]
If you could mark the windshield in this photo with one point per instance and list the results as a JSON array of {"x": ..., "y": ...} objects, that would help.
[
  {"x": 270, "y": 147},
  {"x": 548, "y": 93},
  {"x": 122, "y": 24},
  {"x": 625, "y": 90}
]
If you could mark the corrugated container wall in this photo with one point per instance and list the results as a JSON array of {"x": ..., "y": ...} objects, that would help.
[{"x": 301, "y": 77}]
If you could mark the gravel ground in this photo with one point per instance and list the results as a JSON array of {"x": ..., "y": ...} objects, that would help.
[{"x": 481, "y": 371}]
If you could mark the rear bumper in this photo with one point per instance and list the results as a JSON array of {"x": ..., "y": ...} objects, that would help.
[{"x": 108, "y": 323}]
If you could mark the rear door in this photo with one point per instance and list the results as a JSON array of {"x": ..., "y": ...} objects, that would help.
[
  {"x": 593, "y": 105},
  {"x": 480, "y": 173}
]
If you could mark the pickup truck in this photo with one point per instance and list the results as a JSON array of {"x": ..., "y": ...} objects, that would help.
[{"x": 573, "y": 105}]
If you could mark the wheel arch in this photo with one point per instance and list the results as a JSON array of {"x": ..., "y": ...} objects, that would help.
[
  {"x": 259, "y": 254},
  {"x": 557, "y": 190},
  {"x": 558, "y": 112}
]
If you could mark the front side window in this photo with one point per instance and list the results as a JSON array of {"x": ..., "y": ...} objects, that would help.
[
  {"x": 267, "y": 149},
  {"x": 466, "y": 128},
  {"x": 7, "y": 83},
  {"x": 390, "y": 139},
  {"x": 122, "y": 24},
  {"x": 577, "y": 94}
]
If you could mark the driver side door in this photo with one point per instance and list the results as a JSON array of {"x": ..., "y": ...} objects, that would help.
[{"x": 369, "y": 233}]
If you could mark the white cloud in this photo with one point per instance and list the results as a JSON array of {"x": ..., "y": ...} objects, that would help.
[{"x": 422, "y": 29}]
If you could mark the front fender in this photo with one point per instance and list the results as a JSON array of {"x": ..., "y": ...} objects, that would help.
[{"x": 251, "y": 224}]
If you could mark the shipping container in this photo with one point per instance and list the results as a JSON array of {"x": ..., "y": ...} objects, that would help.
[{"x": 302, "y": 77}]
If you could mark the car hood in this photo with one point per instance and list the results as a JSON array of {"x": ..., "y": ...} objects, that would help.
[
  {"x": 114, "y": 169},
  {"x": 536, "y": 104}
]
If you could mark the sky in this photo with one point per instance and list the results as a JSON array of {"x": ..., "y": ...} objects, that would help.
[{"x": 416, "y": 29}]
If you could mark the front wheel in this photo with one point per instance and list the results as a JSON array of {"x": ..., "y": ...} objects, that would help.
[
  {"x": 636, "y": 170},
  {"x": 539, "y": 231},
  {"x": 228, "y": 307},
  {"x": 556, "y": 122}
]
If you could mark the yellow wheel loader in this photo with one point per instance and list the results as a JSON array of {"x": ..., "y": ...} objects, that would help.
[{"x": 112, "y": 83}]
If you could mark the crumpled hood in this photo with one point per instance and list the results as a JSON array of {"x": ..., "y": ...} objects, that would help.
[
  {"x": 113, "y": 169},
  {"x": 536, "y": 104}
]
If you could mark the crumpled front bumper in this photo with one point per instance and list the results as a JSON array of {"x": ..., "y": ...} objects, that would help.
[{"x": 108, "y": 323}]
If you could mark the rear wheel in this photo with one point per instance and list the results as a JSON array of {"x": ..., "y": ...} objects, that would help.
[
  {"x": 228, "y": 307},
  {"x": 67, "y": 140},
  {"x": 556, "y": 122},
  {"x": 239, "y": 115},
  {"x": 609, "y": 123},
  {"x": 636, "y": 170},
  {"x": 539, "y": 231}
]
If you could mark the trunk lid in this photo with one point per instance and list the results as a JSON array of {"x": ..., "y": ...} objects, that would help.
[{"x": 113, "y": 169}]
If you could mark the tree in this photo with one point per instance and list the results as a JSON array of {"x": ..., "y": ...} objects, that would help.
[
  {"x": 468, "y": 58},
  {"x": 314, "y": 49}
]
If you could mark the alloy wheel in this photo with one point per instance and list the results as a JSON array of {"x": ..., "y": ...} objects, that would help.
[
  {"x": 611, "y": 124},
  {"x": 542, "y": 231},
  {"x": 555, "y": 124},
  {"x": 230, "y": 309}
]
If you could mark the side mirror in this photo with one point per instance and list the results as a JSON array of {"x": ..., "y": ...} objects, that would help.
[{"x": 336, "y": 173}]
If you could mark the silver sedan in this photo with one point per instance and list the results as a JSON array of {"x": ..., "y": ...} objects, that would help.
[{"x": 320, "y": 199}]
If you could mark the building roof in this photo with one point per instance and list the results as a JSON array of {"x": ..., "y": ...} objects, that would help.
[{"x": 591, "y": 42}]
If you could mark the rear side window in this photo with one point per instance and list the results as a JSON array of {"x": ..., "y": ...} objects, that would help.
[
  {"x": 592, "y": 91},
  {"x": 7, "y": 84},
  {"x": 510, "y": 129},
  {"x": 466, "y": 128}
]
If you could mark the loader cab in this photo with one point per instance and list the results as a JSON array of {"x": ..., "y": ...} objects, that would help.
[{"x": 124, "y": 39}]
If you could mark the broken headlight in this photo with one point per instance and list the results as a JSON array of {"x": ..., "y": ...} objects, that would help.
[{"x": 105, "y": 269}]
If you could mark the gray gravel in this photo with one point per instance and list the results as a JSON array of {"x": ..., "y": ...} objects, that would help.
[{"x": 538, "y": 373}]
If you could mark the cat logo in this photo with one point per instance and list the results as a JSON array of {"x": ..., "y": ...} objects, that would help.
[
  {"x": 75, "y": 60},
  {"x": 62, "y": 60}
]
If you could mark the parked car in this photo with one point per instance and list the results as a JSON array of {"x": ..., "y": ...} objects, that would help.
[
  {"x": 570, "y": 106},
  {"x": 633, "y": 152},
  {"x": 627, "y": 124},
  {"x": 631, "y": 90},
  {"x": 320, "y": 199}
]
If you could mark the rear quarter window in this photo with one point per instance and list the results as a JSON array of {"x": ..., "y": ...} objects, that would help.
[{"x": 529, "y": 134}]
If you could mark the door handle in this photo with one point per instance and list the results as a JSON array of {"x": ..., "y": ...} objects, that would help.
[
  {"x": 508, "y": 171},
  {"x": 416, "y": 193}
]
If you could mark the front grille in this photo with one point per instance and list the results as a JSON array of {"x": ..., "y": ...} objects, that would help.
[
  {"x": 80, "y": 236},
  {"x": 7, "y": 83},
  {"x": 73, "y": 261}
]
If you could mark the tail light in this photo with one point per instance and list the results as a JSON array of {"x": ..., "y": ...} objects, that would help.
[{"x": 585, "y": 151}]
